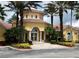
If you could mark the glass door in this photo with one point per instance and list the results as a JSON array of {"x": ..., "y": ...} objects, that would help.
[{"x": 34, "y": 36}]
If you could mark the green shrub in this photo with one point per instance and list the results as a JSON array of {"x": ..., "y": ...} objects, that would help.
[
  {"x": 51, "y": 35},
  {"x": 21, "y": 45},
  {"x": 13, "y": 35},
  {"x": 53, "y": 41}
]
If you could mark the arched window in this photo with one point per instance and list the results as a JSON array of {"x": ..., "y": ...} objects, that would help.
[
  {"x": 34, "y": 30},
  {"x": 32, "y": 16},
  {"x": 36, "y": 16},
  {"x": 69, "y": 35},
  {"x": 26, "y": 16},
  {"x": 34, "y": 34}
]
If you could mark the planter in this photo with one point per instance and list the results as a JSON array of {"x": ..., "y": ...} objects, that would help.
[
  {"x": 68, "y": 44},
  {"x": 20, "y": 49}
]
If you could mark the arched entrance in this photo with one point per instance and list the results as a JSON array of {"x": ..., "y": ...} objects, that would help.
[{"x": 35, "y": 34}]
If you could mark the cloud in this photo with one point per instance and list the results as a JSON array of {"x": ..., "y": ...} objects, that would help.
[{"x": 76, "y": 24}]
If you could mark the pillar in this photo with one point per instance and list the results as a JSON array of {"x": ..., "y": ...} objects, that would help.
[
  {"x": 29, "y": 35},
  {"x": 44, "y": 36},
  {"x": 40, "y": 36}
]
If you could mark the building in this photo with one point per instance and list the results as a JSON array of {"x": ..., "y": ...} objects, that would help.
[
  {"x": 34, "y": 25},
  {"x": 71, "y": 34}
]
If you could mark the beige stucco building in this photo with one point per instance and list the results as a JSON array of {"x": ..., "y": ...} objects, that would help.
[
  {"x": 34, "y": 25},
  {"x": 75, "y": 33}
]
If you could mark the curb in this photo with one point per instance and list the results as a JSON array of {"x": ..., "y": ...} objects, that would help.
[{"x": 19, "y": 49}]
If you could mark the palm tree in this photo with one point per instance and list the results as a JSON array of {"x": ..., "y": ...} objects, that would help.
[
  {"x": 71, "y": 6},
  {"x": 2, "y": 12},
  {"x": 12, "y": 18},
  {"x": 24, "y": 4},
  {"x": 50, "y": 9},
  {"x": 61, "y": 6},
  {"x": 14, "y": 7}
]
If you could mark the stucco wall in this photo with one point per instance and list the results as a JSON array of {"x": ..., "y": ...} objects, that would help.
[
  {"x": 74, "y": 33},
  {"x": 30, "y": 26},
  {"x": 39, "y": 16},
  {"x": 2, "y": 31}
]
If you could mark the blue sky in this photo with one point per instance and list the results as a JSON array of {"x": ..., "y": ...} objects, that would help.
[{"x": 66, "y": 18}]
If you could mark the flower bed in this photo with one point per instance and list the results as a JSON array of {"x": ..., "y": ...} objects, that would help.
[
  {"x": 22, "y": 45},
  {"x": 69, "y": 44}
]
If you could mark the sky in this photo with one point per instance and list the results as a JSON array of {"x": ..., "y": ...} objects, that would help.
[{"x": 66, "y": 16}]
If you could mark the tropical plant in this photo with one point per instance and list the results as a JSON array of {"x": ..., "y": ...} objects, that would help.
[
  {"x": 61, "y": 6},
  {"x": 2, "y": 12},
  {"x": 11, "y": 35},
  {"x": 14, "y": 7},
  {"x": 51, "y": 35},
  {"x": 77, "y": 11},
  {"x": 12, "y": 18},
  {"x": 50, "y": 9}
]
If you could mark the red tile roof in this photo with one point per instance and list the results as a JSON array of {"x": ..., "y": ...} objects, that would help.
[
  {"x": 5, "y": 25},
  {"x": 57, "y": 27}
]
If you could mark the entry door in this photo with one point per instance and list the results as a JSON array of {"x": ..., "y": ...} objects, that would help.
[{"x": 34, "y": 36}]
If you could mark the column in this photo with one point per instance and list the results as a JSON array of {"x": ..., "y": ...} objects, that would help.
[
  {"x": 44, "y": 36},
  {"x": 29, "y": 35},
  {"x": 40, "y": 36}
]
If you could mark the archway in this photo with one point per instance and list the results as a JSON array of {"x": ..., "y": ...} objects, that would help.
[{"x": 35, "y": 34}]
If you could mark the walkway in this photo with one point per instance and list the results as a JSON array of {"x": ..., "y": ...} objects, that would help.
[{"x": 43, "y": 45}]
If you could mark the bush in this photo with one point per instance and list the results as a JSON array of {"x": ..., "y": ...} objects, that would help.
[
  {"x": 51, "y": 35},
  {"x": 12, "y": 35},
  {"x": 22, "y": 45},
  {"x": 53, "y": 41},
  {"x": 69, "y": 44}
]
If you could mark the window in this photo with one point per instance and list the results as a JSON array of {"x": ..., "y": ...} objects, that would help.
[
  {"x": 31, "y": 16},
  {"x": 69, "y": 35},
  {"x": 26, "y": 16},
  {"x": 76, "y": 33},
  {"x": 36, "y": 16}
]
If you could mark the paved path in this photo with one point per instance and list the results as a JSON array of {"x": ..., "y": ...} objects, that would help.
[{"x": 42, "y": 45}]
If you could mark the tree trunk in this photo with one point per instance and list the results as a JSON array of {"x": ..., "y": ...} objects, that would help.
[
  {"x": 71, "y": 24},
  {"x": 21, "y": 18},
  {"x": 61, "y": 22},
  {"x": 17, "y": 20},
  {"x": 51, "y": 21},
  {"x": 21, "y": 26}
]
